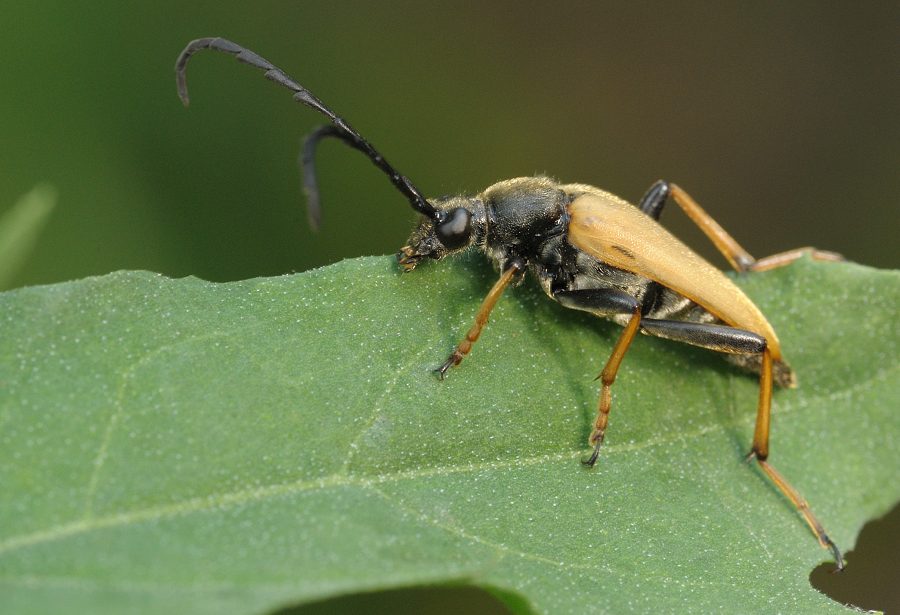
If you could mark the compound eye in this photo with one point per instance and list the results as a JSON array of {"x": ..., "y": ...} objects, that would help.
[{"x": 455, "y": 229}]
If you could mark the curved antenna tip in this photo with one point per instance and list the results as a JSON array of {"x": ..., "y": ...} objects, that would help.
[
  {"x": 182, "y": 90},
  {"x": 339, "y": 129}
]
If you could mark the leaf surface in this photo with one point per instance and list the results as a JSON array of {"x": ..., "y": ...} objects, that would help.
[{"x": 183, "y": 446}]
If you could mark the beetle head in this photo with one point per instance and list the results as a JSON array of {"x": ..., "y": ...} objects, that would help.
[{"x": 456, "y": 224}]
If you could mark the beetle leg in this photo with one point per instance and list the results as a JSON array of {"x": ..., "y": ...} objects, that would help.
[
  {"x": 607, "y": 377},
  {"x": 720, "y": 338},
  {"x": 798, "y": 501},
  {"x": 654, "y": 200},
  {"x": 605, "y": 302},
  {"x": 728, "y": 339},
  {"x": 463, "y": 348},
  {"x": 786, "y": 258},
  {"x": 739, "y": 258},
  {"x": 598, "y": 301},
  {"x": 760, "y": 451},
  {"x": 760, "y": 448}
]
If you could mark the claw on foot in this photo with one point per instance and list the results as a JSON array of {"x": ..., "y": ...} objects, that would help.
[{"x": 597, "y": 439}]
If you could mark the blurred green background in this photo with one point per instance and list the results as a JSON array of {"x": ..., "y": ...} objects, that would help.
[{"x": 781, "y": 119}]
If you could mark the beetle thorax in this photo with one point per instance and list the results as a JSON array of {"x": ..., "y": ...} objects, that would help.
[
  {"x": 522, "y": 216},
  {"x": 511, "y": 219}
]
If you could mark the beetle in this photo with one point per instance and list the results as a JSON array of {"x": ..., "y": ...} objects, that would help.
[{"x": 590, "y": 251}]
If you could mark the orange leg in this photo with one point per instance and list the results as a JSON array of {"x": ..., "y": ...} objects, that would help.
[
  {"x": 761, "y": 451},
  {"x": 742, "y": 262},
  {"x": 786, "y": 258},
  {"x": 804, "y": 509},
  {"x": 607, "y": 377},
  {"x": 463, "y": 348},
  {"x": 739, "y": 258}
]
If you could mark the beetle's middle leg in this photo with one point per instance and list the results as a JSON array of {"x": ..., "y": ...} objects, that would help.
[
  {"x": 652, "y": 204},
  {"x": 607, "y": 377},
  {"x": 605, "y": 302}
]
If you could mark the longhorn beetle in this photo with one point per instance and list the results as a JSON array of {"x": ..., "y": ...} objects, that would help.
[{"x": 591, "y": 251}]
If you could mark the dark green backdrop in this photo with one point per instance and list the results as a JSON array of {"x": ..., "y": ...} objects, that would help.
[{"x": 782, "y": 120}]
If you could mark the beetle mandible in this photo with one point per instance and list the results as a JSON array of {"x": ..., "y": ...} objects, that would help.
[{"x": 591, "y": 251}]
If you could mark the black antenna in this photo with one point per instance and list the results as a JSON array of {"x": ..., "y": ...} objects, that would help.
[
  {"x": 308, "y": 166},
  {"x": 341, "y": 129}
]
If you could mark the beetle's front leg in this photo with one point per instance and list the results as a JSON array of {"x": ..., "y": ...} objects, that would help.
[
  {"x": 515, "y": 266},
  {"x": 605, "y": 302}
]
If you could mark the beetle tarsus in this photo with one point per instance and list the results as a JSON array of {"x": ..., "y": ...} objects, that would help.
[
  {"x": 838, "y": 560},
  {"x": 454, "y": 359},
  {"x": 593, "y": 458},
  {"x": 786, "y": 258}
]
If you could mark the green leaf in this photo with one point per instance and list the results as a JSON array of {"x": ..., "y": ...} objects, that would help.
[{"x": 181, "y": 446}]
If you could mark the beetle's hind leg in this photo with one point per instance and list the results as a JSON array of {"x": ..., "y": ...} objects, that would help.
[
  {"x": 761, "y": 452},
  {"x": 736, "y": 341},
  {"x": 798, "y": 501},
  {"x": 654, "y": 200},
  {"x": 786, "y": 258},
  {"x": 652, "y": 205}
]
